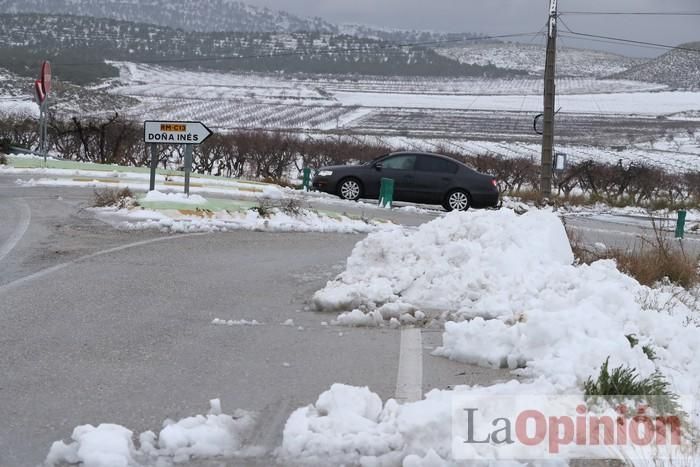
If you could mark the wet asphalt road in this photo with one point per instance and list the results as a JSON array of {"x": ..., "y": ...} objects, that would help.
[
  {"x": 103, "y": 326},
  {"x": 99, "y": 325}
]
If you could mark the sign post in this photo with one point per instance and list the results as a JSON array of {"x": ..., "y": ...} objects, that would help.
[
  {"x": 188, "y": 167},
  {"x": 680, "y": 224},
  {"x": 42, "y": 89},
  {"x": 187, "y": 133},
  {"x": 154, "y": 165}
]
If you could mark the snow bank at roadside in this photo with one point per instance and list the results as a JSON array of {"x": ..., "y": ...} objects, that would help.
[
  {"x": 513, "y": 299},
  {"x": 517, "y": 301},
  {"x": 351, "y": 426},
  {"x": 173, "y": 221},
  {"x": 457, "y": 263},
  {"x": 200, "y": 437}
]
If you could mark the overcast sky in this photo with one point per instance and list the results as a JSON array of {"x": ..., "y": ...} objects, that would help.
[{"x": 511, "y": 16}]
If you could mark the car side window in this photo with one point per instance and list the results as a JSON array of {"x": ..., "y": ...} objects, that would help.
[
  {"x": 436, "y": 164},
  {"x": 405, "y": 162}
]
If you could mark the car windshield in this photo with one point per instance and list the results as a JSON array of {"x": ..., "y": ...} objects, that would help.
[{"x": 374, "y": 161}]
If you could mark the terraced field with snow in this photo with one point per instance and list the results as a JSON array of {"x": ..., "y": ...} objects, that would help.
[{"x": 601, "y": 119}]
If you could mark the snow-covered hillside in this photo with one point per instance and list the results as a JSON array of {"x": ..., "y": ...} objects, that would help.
[
  {"x": 530, "y": 58},
  {"x": 212, "y": 15},
  {"x": 677, "y": 68},
  {"x": 215, "y": 16}
]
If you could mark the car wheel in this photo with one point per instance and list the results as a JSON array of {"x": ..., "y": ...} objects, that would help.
[
  {"x": 350, "y": 189},
  {"x": 457, "y": 200}
]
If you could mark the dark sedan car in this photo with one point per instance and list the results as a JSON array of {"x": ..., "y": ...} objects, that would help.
[{"x": 418, "y": 178}]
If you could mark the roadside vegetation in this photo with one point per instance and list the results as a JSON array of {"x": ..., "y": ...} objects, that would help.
[
  {"x": 272, "y": 156},
  {"x": 650, "y": 260},
  {"x": 621, "y": 384},
  {"x": 113, "y": 197}
]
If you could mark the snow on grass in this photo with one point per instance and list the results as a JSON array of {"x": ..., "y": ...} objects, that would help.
[
  {"x": 160, "y": 197},
  {"x": 214, "y": 435},
  {"x": 18, "y": 108},
  {"x": 516, "y": 301},
  {"x": 615, "y": 103},
  {"x": 72, "y": 173}
]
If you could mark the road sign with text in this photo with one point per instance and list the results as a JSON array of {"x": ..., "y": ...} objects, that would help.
[{"x": 175, "y": 132}]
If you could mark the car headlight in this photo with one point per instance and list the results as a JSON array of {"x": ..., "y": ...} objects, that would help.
[{"x": 325, "y": 173}]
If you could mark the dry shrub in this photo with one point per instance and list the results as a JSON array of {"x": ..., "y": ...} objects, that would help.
[
  {"x": 3, "y": 159},
  {"x": 650, "y": 261},
  {"x": 113, "y": 197},
  {"x": 529, "y": 196}
]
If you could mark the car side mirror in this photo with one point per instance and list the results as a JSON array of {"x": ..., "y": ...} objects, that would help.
[{"x": 378, "y": 166}]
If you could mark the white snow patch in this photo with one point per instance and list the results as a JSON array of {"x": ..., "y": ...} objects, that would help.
[
  {"x": 215, "y": 435},
  {"x": 351, "y": 426},
  {"x": 158, "y": 196},
  {"x": 174, "y": 221},
  {"x": 236, "y": 322}
]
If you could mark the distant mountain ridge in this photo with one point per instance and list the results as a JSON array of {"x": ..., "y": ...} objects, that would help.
[
  {"x": 189, "y": 15},
  {"x": 79, "y": 46},
  {"x": 213, "y": 16}
]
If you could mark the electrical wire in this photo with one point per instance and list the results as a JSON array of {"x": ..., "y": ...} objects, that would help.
[
  {"x": 632, "y": 13},
  {"x": 630, "y": 41}
]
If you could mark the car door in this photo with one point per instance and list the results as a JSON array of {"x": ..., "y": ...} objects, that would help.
[
  {"x": 434, "y": 176},
  {"x": 400, "y": 168}
]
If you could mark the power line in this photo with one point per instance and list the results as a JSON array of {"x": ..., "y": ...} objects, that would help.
[
  {"x": 602, "y": 41},
  {"x": 634, "y": 42},
  {"x": 634, "y": 13},
  {"x": 366, "y": 48}
]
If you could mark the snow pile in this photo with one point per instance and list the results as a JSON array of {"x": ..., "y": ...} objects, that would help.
[
  {"x": 350, "y": 426},
  {"x": 105, "y": 446},
  {"x": 201, "y": 437},
  {"x": 515, "y": 299},
  {"x": 180, "y": 198},
  {"x": 173, "y": 221},
  {"x": 518, "y": 302},
  {"x": 462, "y": 263}
]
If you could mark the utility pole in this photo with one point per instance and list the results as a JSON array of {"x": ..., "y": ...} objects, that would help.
[{"x": 549, "y": 96}]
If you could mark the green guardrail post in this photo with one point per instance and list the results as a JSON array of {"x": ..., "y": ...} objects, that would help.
[
  {"x": 307, "y": 179},
  {"x": 680, "y": 224},
  {"x": 386, "y": 193}
]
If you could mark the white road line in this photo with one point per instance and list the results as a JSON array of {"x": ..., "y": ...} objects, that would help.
[
  {"x": 25, "y": 217},
  {"x": 58, "y": 267},
  {"x": 409, "y": 380}
]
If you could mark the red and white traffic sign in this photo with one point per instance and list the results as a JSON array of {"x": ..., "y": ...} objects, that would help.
[
  {"x": 42, "y": 86},
  {"x": 46, "y": 77}
]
